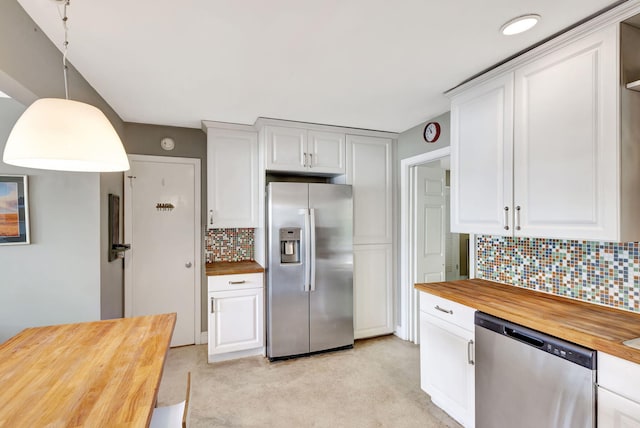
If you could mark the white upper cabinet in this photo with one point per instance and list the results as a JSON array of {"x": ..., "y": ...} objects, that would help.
[
  {"x": 537, "y": 150},
  {"x": 302, "y": 150},
  {"x": 481, "y": 158},
  {"x": 286, "y": 149},
  {"x": 232, "y": 178},
  {"x": 369, "y": 170},
  {"x": 326, "y": 152},
  {"x": 566, "y": 151}
]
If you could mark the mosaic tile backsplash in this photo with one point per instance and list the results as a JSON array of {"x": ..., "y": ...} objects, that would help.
[
  {"x": 229, "y": 245},
  {"x": 607, "y": 273}
]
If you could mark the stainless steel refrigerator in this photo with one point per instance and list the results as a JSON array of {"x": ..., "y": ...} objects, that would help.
[{"x": 310, "y": 268}]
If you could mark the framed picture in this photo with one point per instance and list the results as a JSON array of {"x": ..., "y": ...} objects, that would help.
[{"x": 14, "y": 210}]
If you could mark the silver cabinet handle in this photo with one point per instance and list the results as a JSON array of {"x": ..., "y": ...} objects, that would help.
[
  {"x": 304, "y": 163},
  {"x": 188, "y": 264},
  {"x": 211, "y": 217},
  {"x": 212, "y": 305},
  {"x": 470, "y": 353},
  {"x": 237, "y": 282},
  {"x": 506, "y": 218},
  {"x": 310, "y": 160},
  {"x": 518, "y": 217},
  {"x": 446, "y": 311}
]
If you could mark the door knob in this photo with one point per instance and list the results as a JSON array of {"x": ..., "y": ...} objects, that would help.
[{"x": 188, "y": 264}]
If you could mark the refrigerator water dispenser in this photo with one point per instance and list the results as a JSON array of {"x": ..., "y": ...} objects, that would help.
[{"x": 290, "y": 245}]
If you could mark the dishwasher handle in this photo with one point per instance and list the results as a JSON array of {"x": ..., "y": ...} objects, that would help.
[{"x": 533, "y": 341}]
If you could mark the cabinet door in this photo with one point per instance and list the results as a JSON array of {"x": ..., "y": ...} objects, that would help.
[
  {"x": 286, "y": 149},
  {"x": 446, "y": 367},
  {"x": 326, "y": 151},
  {"x": 369, "y": 170},
  {"x": 232, "y": 178},
  {"x": 372, "y": 291},
  {"x": 615, "y": 411},
  {"x": 565, "y": 149},
  {"x": 481, "y": 158},
  {"x": 236, "y": 320}
]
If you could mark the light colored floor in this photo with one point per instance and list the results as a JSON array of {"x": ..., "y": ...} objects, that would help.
[{"x": 376, "y": 384}]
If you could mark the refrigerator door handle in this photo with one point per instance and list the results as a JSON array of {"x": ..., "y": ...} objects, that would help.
[
  {"x": 312, "y": 260},
  {"x": 307, "y": 249}
]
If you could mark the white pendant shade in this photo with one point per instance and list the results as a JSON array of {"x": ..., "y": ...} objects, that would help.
[{"x": 65, "y": 135}]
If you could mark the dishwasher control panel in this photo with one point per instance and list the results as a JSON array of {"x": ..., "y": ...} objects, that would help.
[{"x": 553, "y": 345}]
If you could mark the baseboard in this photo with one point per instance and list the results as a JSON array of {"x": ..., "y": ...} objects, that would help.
[
  {"x": 235, "y": 355},
  {"x": 204, "y": 337}
]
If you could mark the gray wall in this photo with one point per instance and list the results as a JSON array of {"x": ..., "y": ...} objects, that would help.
[
  {"x": 31, "y": 65},
  {"x": 145, "y": 139},
  {"x": 69, "y": 208},
  {"x": 111, "y": 273},
  {"x": 55, "y": 279},
  {"x": 411, "y": 143}
]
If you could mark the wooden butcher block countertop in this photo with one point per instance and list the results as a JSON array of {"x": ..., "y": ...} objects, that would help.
[
  {"x": 233, "y": 268},
  {"x": 593, "y": 326},
  {"x": 91, "y": 374}
]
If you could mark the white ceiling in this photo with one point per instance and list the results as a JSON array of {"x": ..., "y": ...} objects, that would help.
[{"x": 374, "y": 64}]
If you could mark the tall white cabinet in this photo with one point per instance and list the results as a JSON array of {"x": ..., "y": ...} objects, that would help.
[
  {"x": 232, "y": 177},
  {"x": 369, "y": 171},
  {"x": 537, "y": 149}
]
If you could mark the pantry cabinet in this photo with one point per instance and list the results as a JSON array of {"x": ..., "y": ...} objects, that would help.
[
  {"x": 304, "y": 150},
  {"x": 537, "y": 150},
  {"x": 369, "y": 171},
  {"x": 236, "y": 316},
  {"x": 232, "y": 178},
  {"x": 447, "y": 366}
]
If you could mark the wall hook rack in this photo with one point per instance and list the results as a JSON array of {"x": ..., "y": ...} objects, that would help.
[{"x": 164, "y": 206}]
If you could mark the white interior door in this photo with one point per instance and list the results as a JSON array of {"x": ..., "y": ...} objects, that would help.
[
  {"x": 162, "y": 269},
  {"x": 430, "y": 218}
]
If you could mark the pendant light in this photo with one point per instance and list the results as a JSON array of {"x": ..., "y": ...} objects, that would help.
[{"x": 65, "y": 135}]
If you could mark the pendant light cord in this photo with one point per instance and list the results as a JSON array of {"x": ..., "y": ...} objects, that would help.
[{"x": 65, "y": 48}]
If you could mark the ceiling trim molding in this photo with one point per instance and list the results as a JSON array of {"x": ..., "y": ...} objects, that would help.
[
  {"x": 611, "y": 17},
  {"x": 265, "y": 121}
]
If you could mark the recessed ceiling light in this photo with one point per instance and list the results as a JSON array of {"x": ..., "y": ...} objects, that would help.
[{"x": 519, "y": 24}]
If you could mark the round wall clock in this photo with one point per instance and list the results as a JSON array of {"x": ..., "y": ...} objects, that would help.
[{"x": 431, "y": 132}]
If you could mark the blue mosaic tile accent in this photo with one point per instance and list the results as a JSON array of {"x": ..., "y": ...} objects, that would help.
[
  {"x": 606, "y": 273},
  {"x": 229, "y": 245}
]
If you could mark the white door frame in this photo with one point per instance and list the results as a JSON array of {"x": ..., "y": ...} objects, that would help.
[
  {"x": 408, "y": 296},
  {"x": 197, "y": 264}
]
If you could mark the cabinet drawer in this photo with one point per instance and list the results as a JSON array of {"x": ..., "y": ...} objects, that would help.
[
  {"x": 619, "y": 375},
  {"x": 617, "y": 411},
  {"x": 447, "y": 310},
  {"x": 235, "y": 282}
]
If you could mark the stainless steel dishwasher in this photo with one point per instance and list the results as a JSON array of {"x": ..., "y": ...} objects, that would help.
[{"x": 525, "y": 378}]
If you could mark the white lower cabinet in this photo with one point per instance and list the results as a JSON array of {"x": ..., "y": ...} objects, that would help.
[
  {"x": 372, "y": 293},
  {"x": 447, "y": 371},
  {"x": 236, "y": 317},
  {"x": 618, "y": 393}
]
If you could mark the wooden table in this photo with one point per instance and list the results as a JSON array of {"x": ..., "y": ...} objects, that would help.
[{"x": 94, "y": 374}]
